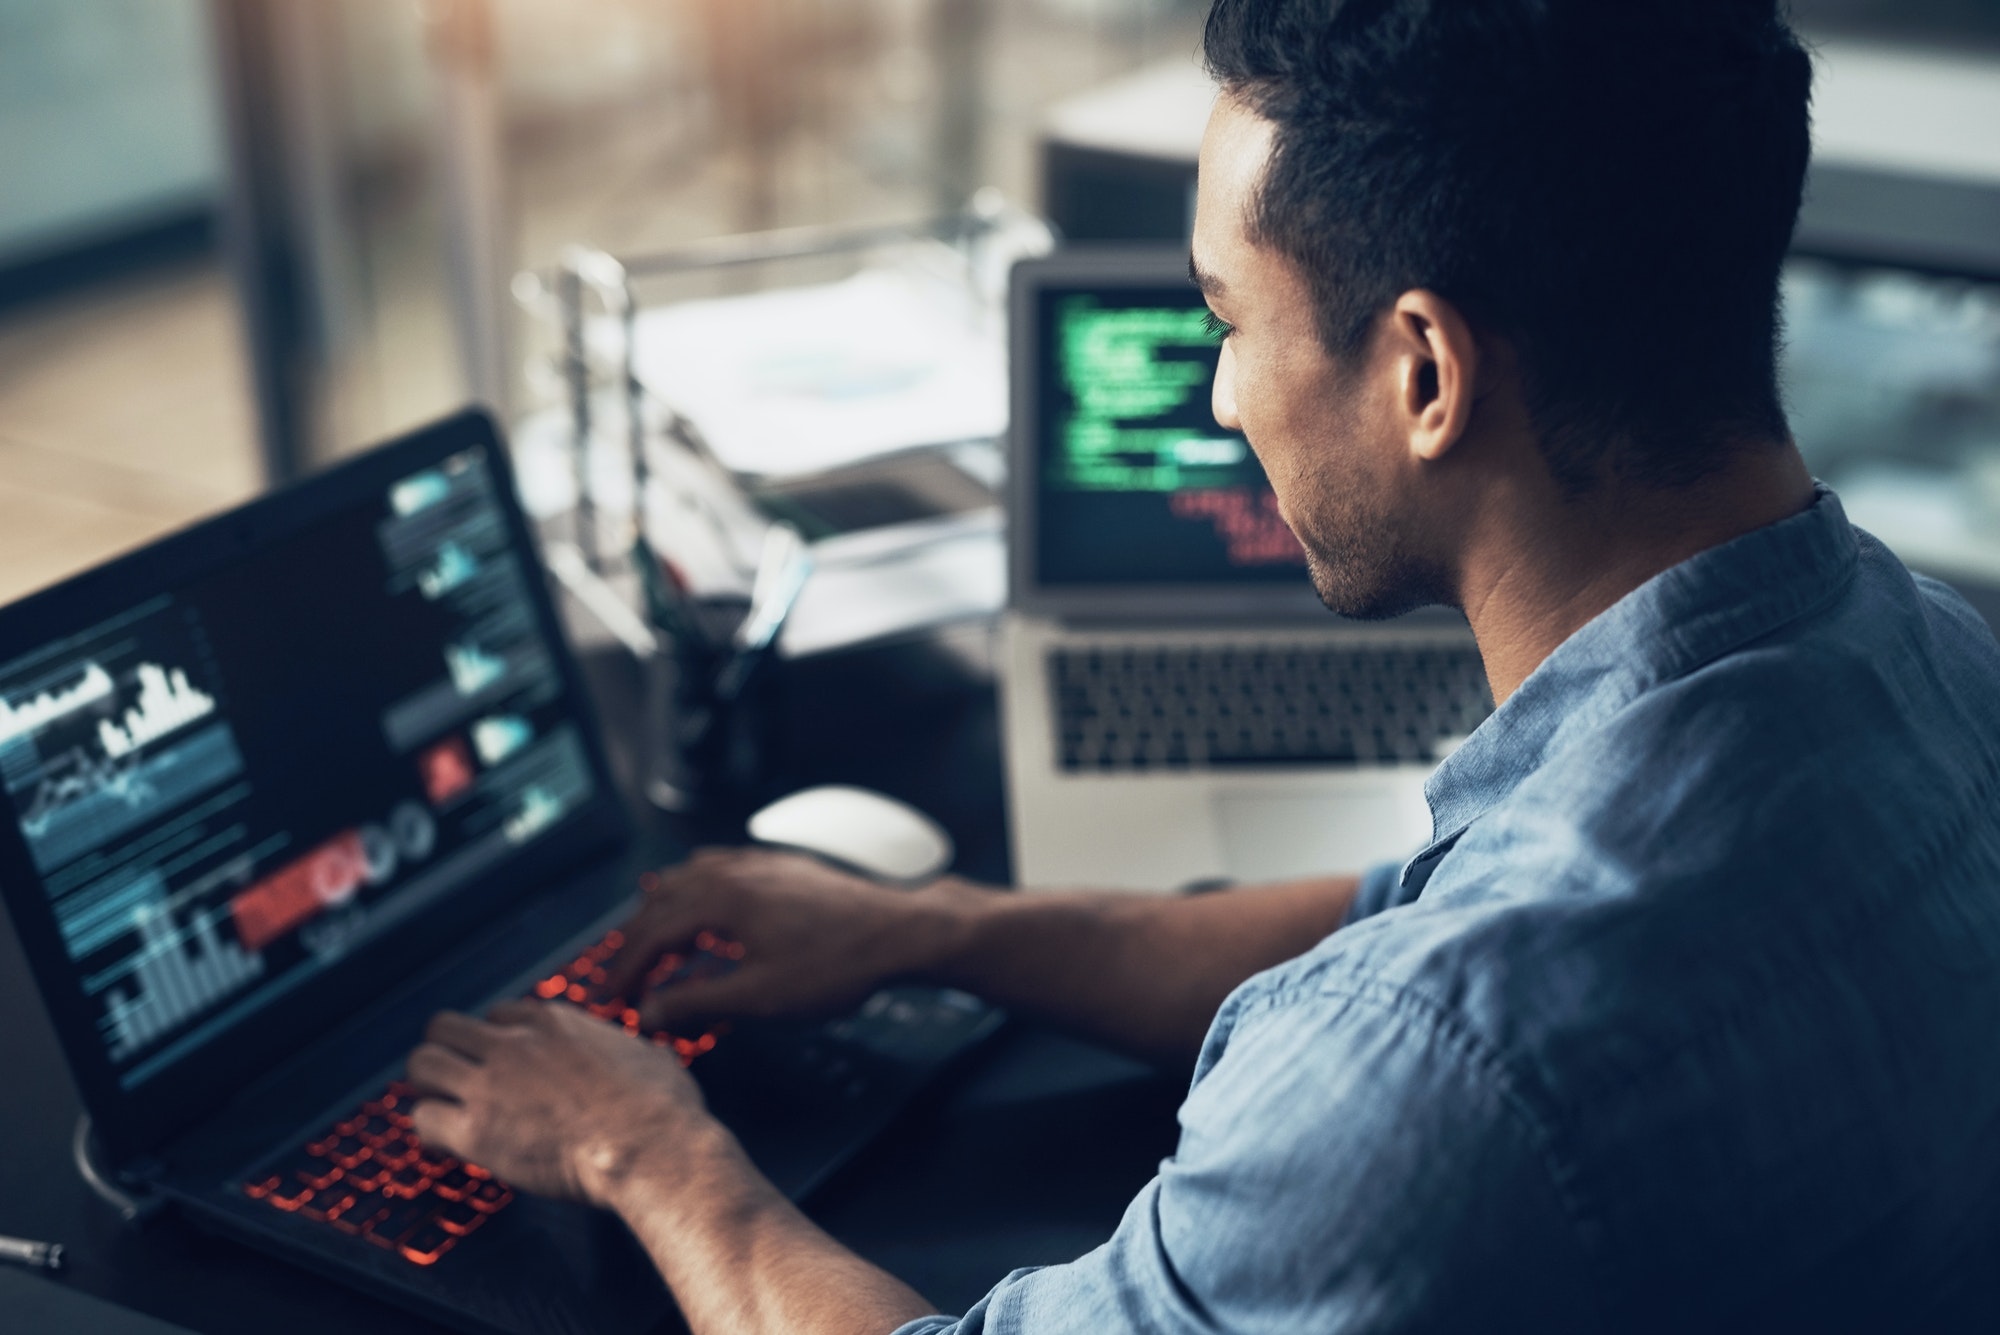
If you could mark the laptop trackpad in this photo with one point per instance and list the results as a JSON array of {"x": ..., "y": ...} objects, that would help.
[{"x": 1276, "y": 836}]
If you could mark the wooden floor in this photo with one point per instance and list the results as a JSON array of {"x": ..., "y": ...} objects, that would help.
[{"x": 123, "y": 414}]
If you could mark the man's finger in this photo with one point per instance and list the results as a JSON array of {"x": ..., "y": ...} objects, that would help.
[
  {"x": 702, "y": 999},
  {"x": 668, "y": 923},
  {"x": 439, "y": 1070},
  {"x": 460, "y": 1033},
  {"x": 441, "y": 1124},
  {"x": 519, "y": 1011}
]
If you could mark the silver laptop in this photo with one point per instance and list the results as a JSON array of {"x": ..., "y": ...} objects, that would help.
[{"x": 1178, "y": 706}]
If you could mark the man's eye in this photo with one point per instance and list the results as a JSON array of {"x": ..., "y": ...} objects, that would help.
[{"x": 1216, "y": 328}]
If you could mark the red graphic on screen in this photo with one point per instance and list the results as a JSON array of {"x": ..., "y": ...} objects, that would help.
[
  {"x": 298, "y": 892},
  {"x": 1246, "y": 519},
  {"x": 447, "y": 770}
]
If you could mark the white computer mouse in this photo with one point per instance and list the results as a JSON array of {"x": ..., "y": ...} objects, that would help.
[{"x": 857, "y": 828}]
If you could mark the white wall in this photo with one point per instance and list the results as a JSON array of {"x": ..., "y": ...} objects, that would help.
[{"x": 107, "y": 117}]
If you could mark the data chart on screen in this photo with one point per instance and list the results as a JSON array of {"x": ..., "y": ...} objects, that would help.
[
  {"x": 226, "y": 789},
  {"x": 1138, "y": 480}
]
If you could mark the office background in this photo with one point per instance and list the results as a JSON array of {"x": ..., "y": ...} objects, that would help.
[
  {"x": 126, "y": 396},
  {"x": 429, "y": 150}
]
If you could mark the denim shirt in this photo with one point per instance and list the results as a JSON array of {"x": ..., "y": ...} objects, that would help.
[{"x": 1688, "y": 1018}]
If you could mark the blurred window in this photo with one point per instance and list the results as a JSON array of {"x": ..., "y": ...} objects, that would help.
[
  {"x": 1892, "y": 380},
  {"x": 106, "y": 120}
]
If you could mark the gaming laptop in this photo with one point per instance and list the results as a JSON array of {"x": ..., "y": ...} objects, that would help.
[{"x": 281, "y": 786}]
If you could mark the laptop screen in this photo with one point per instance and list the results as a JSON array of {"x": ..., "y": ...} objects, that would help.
[
  {"x": 227, "y": 787},
  {"x": 1137, "y": 484}
]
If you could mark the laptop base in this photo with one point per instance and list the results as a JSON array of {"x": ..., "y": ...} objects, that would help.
[{"x": 1165, "y": 828}]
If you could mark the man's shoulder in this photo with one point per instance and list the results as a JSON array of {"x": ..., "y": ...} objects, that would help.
[
  {"x": 1719, "y": 836},
  {"x": 1835, "y": 745}
]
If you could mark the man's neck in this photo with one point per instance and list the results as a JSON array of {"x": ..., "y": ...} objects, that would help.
[{"x": 1551, "y": 564}]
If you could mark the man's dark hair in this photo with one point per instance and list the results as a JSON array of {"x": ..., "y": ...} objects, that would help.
[{"x": 1611, "y": 185}]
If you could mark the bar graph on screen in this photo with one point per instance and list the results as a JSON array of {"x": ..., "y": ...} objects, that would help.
[
  {"x": 178, "y": 971},
  {"x": 166, "y": 703},
  {"x": 107, "y": 731},
  {"x": 31, "y": 715}
]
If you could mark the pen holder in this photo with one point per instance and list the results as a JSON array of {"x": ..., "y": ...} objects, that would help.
[
  {"x": 706, "y": 743},
  {"x": 705, "y": 720}
]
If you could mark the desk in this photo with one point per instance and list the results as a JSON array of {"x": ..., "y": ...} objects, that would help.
[{"x": 1029, "y": 1156}]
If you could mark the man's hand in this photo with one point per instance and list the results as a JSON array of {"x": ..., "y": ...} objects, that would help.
[
  {"x": 554, "y": 1101},
  {"x": 559, "y": 1103},
  {"x": 1140, "y": 972},
  {"x": 562, "y": 1104},
  {"x": 816, "y": 941}
]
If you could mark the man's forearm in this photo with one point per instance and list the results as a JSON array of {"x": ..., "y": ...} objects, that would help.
[
  {"x": 1142, "y": 972},
  {"x": 738, "y": 1256},
  {"x": 1145, "y": 973}
]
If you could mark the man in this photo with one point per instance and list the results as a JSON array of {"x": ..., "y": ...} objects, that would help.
[{"x": 1685, "y": 1020}]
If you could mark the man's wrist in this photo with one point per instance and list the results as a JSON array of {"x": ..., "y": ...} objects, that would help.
[
  {"x": 949, "y": 915},
  {"x": 647, "y": 1159}
]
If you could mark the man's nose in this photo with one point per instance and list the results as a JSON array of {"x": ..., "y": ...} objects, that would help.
[{"x": 1223, "y": 397}]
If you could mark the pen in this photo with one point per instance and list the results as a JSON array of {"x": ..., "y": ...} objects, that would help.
[
  {"x": 35, "y": 1255},
  {"x": 668, "y": 605}
]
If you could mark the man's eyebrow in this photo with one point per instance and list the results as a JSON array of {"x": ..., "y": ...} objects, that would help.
[{"x": 1206, "y": 281}]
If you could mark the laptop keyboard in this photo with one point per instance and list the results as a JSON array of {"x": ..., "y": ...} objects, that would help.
[
  {"x": 1196, "y": 706},
  {"x": 369, "y": 1177}
]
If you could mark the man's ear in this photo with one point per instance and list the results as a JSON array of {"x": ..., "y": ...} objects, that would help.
[{"x": 1436, "y": 358}]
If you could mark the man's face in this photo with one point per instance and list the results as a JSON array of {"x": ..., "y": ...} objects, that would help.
[{"x": 1324, "y": 431}]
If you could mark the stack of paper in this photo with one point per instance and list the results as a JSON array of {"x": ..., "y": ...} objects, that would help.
[{"x": 807, "y": 379}]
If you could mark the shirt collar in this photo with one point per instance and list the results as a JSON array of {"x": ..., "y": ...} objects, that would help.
[{"x": 1682, "y": 618}]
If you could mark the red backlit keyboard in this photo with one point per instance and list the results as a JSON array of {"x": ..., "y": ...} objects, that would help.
[{"x": 369, "y": 1177}]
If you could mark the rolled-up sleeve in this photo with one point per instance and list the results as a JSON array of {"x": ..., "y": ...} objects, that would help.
[{"x": 1348, "y": 1163}]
